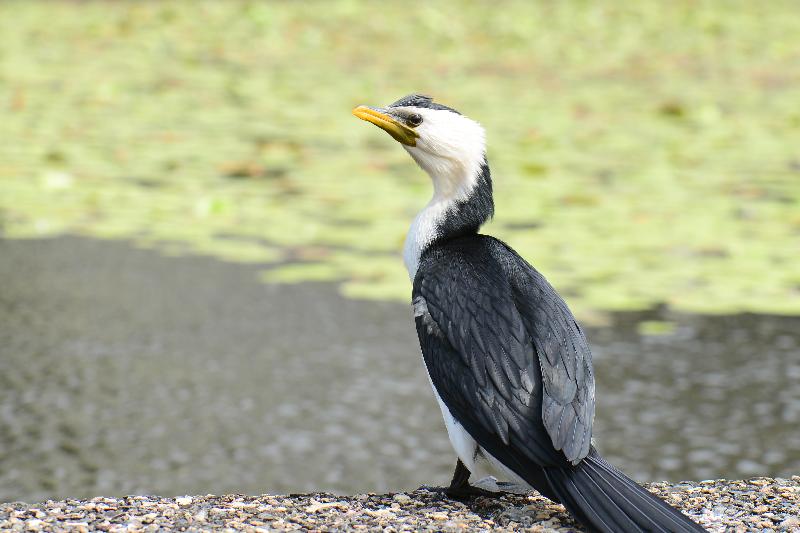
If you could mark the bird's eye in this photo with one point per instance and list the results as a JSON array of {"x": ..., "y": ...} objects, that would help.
[{"x": 414, "y": 119}]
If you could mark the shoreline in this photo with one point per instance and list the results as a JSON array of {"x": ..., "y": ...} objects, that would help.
[{"x": 718, "y": 505}]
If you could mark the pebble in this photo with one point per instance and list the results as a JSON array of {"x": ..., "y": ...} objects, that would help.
[
  {"x": 317, "y": 506},
  {"x": 718, "y": 505},
  {"x": 401, "y": 498},
  {"x": 790, "y": 524}
]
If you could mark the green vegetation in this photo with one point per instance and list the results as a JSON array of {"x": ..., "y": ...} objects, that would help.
[{"x": 642, "y": 152}]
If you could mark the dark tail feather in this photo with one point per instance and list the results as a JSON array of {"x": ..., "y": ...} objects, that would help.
[{"x": 603, "y": 498}]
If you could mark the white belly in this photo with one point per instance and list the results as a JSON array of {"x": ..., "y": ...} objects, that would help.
[
  {"x": 475, "y": 458},
  {"x": 464, "y": 445}
]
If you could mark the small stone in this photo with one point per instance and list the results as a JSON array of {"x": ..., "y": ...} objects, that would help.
[
  {"x": 790, "y": 524},
  {"x": 439, "y": 516},
  {"x": 402, "y": 498},
  {"x": 317, "y": 506},
  {"x": 381, "y": 513},
  {"x": 34, "y": 524},
  {"x": 184, "y": 501}
]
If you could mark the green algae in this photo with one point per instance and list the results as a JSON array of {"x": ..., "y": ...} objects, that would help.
[{"x": 642, "y": 153}]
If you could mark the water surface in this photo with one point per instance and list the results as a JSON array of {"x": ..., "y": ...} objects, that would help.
[{"x": 124, "y": 371}]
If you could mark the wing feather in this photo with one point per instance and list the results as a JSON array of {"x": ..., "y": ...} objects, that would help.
[{"x": 504, "y": 353}]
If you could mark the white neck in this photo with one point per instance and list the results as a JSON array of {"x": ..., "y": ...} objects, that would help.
[
  {"x": 451, "y": 149},
  {"x": 422, "y": 233},
  {"x": 425, "y": 226}
]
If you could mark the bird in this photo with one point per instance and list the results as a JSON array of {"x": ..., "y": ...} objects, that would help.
[{"x": 510, "y": 367}]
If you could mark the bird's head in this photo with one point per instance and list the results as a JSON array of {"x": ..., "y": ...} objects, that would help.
[{"x": 447, "y": 145}]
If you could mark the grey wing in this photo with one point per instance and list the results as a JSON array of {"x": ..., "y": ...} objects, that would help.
[
  {"x": 568, "y": 401},
  {"x": 481, "y": 362},
  {"x": 507, "y": 358}
]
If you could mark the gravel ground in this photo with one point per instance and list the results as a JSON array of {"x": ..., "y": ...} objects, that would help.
[{"x": 758, "y": 504}]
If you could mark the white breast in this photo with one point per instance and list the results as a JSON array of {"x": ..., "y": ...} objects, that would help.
[
  {"x": 464, "y": 445},
  {"x": 422, "y": 233},
  {"x": 474, "y": 457}
]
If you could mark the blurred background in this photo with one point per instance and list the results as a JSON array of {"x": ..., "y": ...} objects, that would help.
[{"x": 201, "y": 288}]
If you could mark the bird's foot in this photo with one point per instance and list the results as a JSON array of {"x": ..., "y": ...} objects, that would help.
[
  {"x": 491, "y": 484},
  {"x": 467, "y": 492},
  {"x": 464, "y": 492},
  {"x": 488, "y": 487}
]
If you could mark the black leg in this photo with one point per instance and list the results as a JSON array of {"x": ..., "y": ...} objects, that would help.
[
  {"x": 460, "y": 476},
  {"x": 460, "y": 489}
]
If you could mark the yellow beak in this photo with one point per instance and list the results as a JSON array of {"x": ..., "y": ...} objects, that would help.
[{"x": 400, "y": 132}]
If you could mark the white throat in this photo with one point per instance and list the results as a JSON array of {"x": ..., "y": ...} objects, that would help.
[
  {"x": 422, "y": 233},
  {"x": 451, "y": 150},
  {"x": 453, "y": 184}
]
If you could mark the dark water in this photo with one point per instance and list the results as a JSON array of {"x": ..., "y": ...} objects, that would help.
[{"x": 122, "y": 371}]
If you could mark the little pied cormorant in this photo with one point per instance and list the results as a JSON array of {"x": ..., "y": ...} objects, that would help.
[{"x": 509, "y": 365}]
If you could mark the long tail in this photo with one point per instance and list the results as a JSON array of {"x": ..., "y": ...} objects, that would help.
[{"x": 603, "y": 498}]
